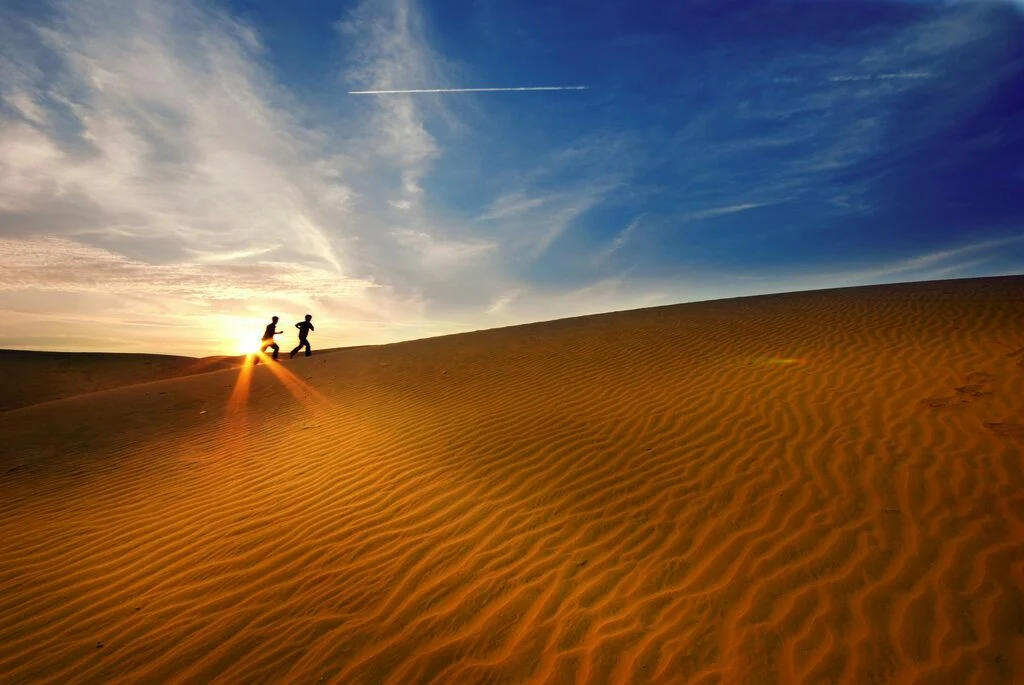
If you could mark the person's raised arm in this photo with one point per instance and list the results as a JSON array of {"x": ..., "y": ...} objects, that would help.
[
  {"x": 298, "y": 325},
  {"x": 311, "y": 327}
]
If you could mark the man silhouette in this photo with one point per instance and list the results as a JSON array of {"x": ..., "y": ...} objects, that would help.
[
  {"x": 268, "y": 339},
  {"x": 304, "y": 328}
]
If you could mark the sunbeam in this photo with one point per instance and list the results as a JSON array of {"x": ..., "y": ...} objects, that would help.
[
  {"x": 240, "y": 394},
  {"x": 308, "y": 396}
]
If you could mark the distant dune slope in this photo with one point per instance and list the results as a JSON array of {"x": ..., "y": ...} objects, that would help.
[
  {"x": 32, "y": 377},
  {"x": 821, "y": 487}
]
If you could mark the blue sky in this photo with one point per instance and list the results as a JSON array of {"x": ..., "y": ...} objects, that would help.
[{"x": 171, "y": 176}]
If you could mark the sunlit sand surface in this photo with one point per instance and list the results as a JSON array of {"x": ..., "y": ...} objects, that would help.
[{"x": 823, "y": 487}]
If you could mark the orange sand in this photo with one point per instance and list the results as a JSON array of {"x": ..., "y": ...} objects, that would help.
[{"x": 646, "y": 496}]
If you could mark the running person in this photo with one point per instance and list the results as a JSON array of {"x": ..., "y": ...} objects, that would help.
[
  {"x": 304, "y": 328},
  {"x": 268, "y": 338}
]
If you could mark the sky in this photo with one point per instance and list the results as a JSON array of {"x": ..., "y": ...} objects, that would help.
[{"x": 173, "y": 174}]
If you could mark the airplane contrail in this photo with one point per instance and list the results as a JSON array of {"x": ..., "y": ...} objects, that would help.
[{"x": 463, "y": 90}]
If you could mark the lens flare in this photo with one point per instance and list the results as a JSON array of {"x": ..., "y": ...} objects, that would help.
[
  {"x": 247, "y": 346},
  {"x": 308, "y": 396}
]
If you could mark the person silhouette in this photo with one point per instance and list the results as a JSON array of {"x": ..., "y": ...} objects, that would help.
[
  {"x": 304, "y": 328},
  {"x": 268, "y": 339}
]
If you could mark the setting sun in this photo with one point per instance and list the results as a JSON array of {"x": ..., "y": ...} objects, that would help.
[{"x": 247, "y": 346}]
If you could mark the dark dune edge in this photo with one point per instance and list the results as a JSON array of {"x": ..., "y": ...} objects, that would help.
[
  {"x": 33, "y": 377},
  {"x": 38, "y": 377}
]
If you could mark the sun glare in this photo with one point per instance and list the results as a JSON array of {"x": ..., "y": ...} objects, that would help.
[{"x": 247, "y": 346}]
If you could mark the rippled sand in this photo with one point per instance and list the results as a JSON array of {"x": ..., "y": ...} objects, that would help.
[{"x": 818, "y": 487}]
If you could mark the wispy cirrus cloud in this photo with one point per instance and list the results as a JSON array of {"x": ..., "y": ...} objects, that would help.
[
  {"x": 389, "y": 50},
  {"x": 61, "y": 265},
  {"x": 621, "y": 238},
  {"x": 712, "y": 212},
  {"x": 936, "y": 264},
  {"x": 147, "y": 151},
  {"x": 158, "y": 132},
  {"x": 530, "y": 224}
]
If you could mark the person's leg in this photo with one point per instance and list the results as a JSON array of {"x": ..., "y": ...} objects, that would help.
[
  {"x": 295, "y": 351},
  {"x": 277, "y": 349},
  {"x": 309, "y": 350}
]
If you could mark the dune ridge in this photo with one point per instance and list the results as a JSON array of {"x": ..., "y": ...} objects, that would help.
[{"x": 813, "y": 487}]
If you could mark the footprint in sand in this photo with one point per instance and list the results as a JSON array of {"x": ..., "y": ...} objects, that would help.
[
  {"x": 972, "y": 390},
  {"x": 941, "y": 402},
  {"x": 1006, "y": 429}
]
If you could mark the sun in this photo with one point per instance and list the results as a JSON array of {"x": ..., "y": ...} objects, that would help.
[{"x": 247, "y": 346}]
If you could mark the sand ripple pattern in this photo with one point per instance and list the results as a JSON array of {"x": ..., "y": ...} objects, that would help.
[{"x": 823, "y": 487}]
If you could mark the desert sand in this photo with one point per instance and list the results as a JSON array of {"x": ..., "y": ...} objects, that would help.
[{"x": 821, "y": 487}]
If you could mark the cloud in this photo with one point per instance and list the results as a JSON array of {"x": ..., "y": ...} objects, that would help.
[
  {"x": 161, "y": 143},
  {"x": 817, "y": 124},
  {"x": 57, "y": 264},
  {"x": 538, "y": 304},
  {"x": 161, "y": 121},
  {"x": 190, "y": 308},
  {"x": 388, "y": 50},
  {"x": 441, "y": 253},
  {"x": 512, "y": 204},
  {"x": 502, "y": 303},
  {"x": 530, "y": 224},
  {"x": 231, "y": 256},
  {"x": 620, "y": 239},
  {"x": 1000, "y": 255},
  {"x": 935, "y": 264},
  {"x": 540, "y": 204},
  {"x": 149, "y": 153},
  {"x": 843, "y": 78},
  {"x": 720, "y": 211}
]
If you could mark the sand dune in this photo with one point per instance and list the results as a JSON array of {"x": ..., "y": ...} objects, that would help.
[
  {"x": 45, "y": 376},
  {"x": 819, "y": 487}
]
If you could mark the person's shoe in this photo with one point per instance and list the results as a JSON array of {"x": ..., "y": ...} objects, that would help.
[{"x": 291, "y": 355}]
